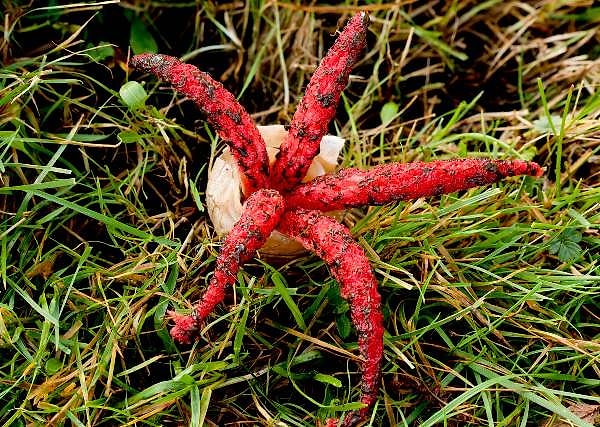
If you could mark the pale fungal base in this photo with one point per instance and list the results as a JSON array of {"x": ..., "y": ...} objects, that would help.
[{"x": 224, "y": 192}]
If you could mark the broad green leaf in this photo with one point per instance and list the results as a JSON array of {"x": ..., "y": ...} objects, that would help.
[
  {"x": 343, "y": 326},
  {"x": 101, "y": 52},
  {"x": 388, "y": 112},
  {"x": 567, "y": 250},
  {"x": 129, "y": 136},
  {"x": 52, "y": 366},
  {"x": 133, "y": 95},
  {"x": 140, "y": 39},
  {"x": 328, "y": 379},
  {"x": 566, "y": 246}
]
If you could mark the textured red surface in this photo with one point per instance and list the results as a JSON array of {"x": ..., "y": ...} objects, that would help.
[
  {"x": 333, "y": 243},
  {"x": 265, "y": 209},
  {"x": 261, "y": 214},
  {"x": 319, "y": 104},
  {"x": 402, "y": 181},
  {"x": 225, "y": 114}
]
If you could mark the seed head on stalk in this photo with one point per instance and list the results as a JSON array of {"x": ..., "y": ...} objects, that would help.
[{"x": 276, "y": 199}]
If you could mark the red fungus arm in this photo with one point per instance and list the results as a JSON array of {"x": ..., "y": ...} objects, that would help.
[
  {"x": 224, "y": 113},
  {"x": 403, "y": 181},
  {"x": 349, "y": 265},
  {"x": 262, "y": 212},
  {"x": 318, "y": 106}
]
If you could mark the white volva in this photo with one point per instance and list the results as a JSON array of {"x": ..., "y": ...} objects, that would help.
[{"x": 224, "y": 193}]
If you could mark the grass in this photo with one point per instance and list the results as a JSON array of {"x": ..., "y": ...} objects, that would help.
[{"x": 490, "y": 296}]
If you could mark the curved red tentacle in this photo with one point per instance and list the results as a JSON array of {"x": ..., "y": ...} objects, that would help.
[
  {"x": 261, "y": 214},
  {"x": 224, "y": 113},
  {"x": 318, "y": 106},
  {"x": 349, "y": 265},
  {"x": 392, "y": 182}
]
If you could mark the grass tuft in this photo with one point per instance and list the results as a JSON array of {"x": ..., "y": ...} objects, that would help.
[{"x": 490, "y": 296}]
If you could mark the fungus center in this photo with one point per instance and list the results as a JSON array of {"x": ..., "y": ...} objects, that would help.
[{"x": 224, "y": 191}]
